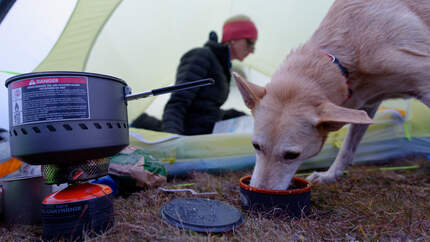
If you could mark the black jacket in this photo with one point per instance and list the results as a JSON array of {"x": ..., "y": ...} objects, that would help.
[{"x": 195, "y": 111}]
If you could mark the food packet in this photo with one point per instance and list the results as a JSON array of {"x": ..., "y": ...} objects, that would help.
[{"x": 142, "y": 168}]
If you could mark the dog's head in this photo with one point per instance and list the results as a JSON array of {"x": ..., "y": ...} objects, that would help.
[{"x": 291, "y": 123}]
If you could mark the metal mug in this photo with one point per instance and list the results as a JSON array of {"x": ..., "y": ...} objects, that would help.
[{"x": 21, "y": 199}]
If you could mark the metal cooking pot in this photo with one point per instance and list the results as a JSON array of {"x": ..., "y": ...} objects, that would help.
[
  {"x": 64, "y": 117},
  {"x": 20, "y": 199}
]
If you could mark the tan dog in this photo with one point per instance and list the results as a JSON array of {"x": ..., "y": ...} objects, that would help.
[{"x": 384, "y": 46}]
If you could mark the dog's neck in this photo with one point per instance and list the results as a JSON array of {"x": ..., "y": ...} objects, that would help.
[
  {"x": 331, "y": 38},
  {"x": 313, "y": 68},
  {"x": 345, "y": 61}
]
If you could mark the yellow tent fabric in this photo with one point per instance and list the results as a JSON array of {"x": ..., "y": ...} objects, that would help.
[{"x": 71, "y": 50}]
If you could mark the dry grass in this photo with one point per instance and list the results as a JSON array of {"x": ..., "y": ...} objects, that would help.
[{"x": 365, "y": 205}]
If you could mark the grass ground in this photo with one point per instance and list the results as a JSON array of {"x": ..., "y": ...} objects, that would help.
[{"x": 366, "y": 205}]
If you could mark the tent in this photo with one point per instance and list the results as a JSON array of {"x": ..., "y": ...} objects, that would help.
[{"x": 141, "y": 42}]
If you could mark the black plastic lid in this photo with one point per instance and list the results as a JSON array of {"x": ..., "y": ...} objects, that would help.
[
  {"x": 202, "y": 215},
  {"x": 61, "y": 73}
]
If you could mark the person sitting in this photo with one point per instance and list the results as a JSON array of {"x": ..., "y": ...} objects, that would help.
[{"x": 195, "y": 111}]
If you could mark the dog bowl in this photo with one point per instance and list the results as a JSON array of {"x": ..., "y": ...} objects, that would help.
[{"x": 293, "y": 202}]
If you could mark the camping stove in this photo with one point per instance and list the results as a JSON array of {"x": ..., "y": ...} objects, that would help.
[
  {"x": 68, "y": 122},
  {"x": 81, "y": 206}
]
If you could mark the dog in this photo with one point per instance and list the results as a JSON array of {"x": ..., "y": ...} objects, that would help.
[{"x": 362, "y": 53}]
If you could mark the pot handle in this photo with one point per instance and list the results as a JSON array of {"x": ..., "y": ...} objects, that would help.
[
  {"x": 164, "y": 90},
  {"x": 1, "y": 198}
]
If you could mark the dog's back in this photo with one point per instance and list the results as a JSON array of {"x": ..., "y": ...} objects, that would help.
[{"x": 389, "y": 38}]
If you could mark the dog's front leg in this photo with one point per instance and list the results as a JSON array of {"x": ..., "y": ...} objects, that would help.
[{"x": 346, "y": 154}]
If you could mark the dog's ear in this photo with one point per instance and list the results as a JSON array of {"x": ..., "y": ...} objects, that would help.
[
  {"x": 251, "y": 93},
  {"x": 333, "y": 117}
]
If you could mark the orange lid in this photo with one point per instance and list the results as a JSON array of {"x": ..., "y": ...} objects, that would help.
[
  {"x": 9, "y": 166},
  {"x": 77, "y": 193}
]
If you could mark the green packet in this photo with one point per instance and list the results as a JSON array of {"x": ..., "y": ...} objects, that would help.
[{"x": 136, "y": 164}]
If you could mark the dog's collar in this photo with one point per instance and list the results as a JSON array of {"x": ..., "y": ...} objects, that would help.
[{"x": 344, "y": 71}]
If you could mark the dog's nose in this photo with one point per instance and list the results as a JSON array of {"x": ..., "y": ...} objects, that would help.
[{"x": 289, "y": 155}]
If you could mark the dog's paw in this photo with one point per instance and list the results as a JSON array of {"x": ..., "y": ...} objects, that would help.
[{"x": 325, "y": 177}]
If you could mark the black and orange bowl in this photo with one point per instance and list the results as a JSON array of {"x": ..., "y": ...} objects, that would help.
[{"x": 293, "y": 202}]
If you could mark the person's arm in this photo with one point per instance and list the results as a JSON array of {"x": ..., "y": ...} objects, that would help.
[{"x": 194, "y": 65}]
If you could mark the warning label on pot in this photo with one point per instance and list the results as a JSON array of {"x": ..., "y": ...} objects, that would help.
[{"x": 49, "y": 99}]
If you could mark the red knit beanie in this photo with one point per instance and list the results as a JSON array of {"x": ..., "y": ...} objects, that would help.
[{"x": 244, "y": 29}]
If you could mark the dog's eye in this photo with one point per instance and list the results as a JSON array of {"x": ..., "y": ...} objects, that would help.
[
  {"x": 256, "y": 146},
  {"x": 291, "y": 155}
]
